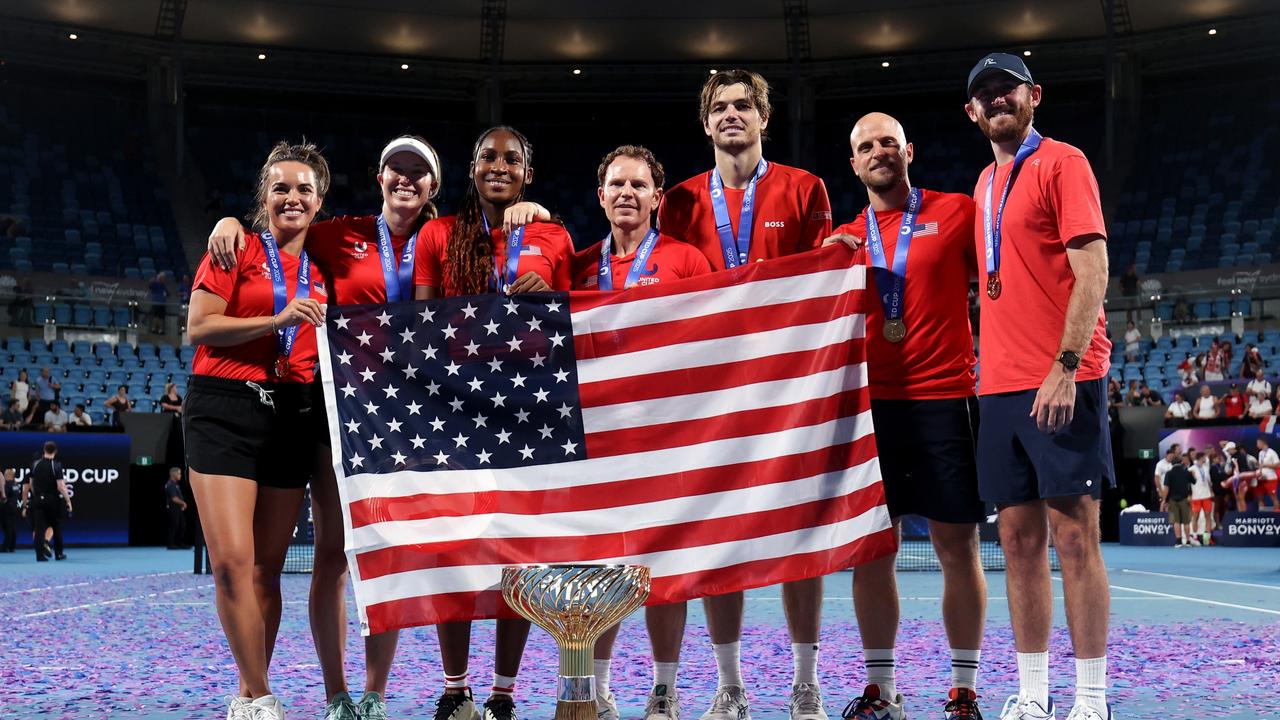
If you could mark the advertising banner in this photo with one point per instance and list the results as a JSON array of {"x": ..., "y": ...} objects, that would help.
[{"x": 96, "y": 469}]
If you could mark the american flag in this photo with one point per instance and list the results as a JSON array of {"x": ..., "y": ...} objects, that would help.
[
  {"x": 716, "y": 429},
  {"x": 925, "y": 229}
]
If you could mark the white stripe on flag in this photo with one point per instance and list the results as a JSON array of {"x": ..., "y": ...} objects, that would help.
[
  {"x": 716, "y": 453},
  {"x": 718, "y": 351},
  {"x": 586, "y": 523},
  {"x": 702, "y": 303},
  {"x": 756, "y": 396},
  {"x": 472, "y": 578}
]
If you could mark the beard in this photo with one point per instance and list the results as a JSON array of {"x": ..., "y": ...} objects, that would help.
[
  {"x": 881, "y": 182},
  {"x": 1008, "y": 132}
]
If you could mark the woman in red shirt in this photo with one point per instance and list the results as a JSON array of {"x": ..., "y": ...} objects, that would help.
[
  {"x": 246, "y": 417},
  {"x": 490, "y": 246}
]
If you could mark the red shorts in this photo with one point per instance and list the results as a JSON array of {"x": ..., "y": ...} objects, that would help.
[
  {"x": 1268, "y": 487},
  {"x": 1205, "y": 506}
]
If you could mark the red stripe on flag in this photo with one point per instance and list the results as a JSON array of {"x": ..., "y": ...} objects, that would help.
[
  {"x": 833, "y": 257},
  {"x": 602, "y": 496},
  {"x": 729, "y": 425},
  {"x": 574, "y": 549},
  {"x": 588, "y": 346},
  {"x": 447, "y": 607}
]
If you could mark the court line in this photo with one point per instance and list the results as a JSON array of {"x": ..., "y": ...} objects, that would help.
[
  {"x": 1200, "y": 579},
  {"x": 103, "y": 603},
  {"x": 91, "y": 582},
  {"x": 1188, "y": 598}
]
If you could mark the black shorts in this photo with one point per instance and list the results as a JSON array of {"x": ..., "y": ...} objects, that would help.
[
  {"x": 927, "y": 459},
  {"x": 230, "y": 430},
  {"x": 1018, "y": 462},
  {"x": 319, "y": 414}
]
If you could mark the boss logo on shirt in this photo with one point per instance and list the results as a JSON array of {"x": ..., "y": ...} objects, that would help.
[{"x": 775, "y": 223}]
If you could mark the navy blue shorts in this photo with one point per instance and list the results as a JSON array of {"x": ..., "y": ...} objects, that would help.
[
  {"x": 926, "y": 450},
  {"x": 1017, "y": 462}
]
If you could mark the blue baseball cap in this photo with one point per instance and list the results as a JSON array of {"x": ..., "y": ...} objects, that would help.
[{"x": 999, "y": 62}]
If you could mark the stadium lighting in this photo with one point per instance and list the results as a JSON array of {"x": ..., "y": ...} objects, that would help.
[
  {"x": 714, "y": 71},
  {"x": 884, "y": 64},
  {"x": 577, "y": 71},
  {"x": 73, "y": 36},
  {"x": 262, "y": 56},
  {"x": 1026, "y": 53},
  {"x": 404, "y": 66},
  {"x": 1213, "y": 31}
]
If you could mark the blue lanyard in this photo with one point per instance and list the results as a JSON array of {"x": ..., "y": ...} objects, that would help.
[
  {"x": 399, "y": 281},
  {"x": 514, "y": 243},
  {"x": 990, "y": 226},
  {"x": 735, "y": 249},
  {"x": 280, "y": 292},
  {"x": 896, "y": 280},
  {"x": 637, "y": 265}
]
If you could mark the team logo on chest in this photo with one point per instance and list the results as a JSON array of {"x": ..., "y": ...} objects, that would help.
[{"x": 360, "y": 250}]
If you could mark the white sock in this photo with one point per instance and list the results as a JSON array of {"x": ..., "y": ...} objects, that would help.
[
  {"x": 804, "y": 663},
  {"x": 503, "y": 685},
  {"x": 964, "y": 668},
  {"x": 728, "y": 663},
  {"x": 665, "y": 674},
  {"x": 1091, "y": 683},
  {"x": 455, "y": 682},
  {"x": 602, "y": 678},
  {"x": 1033, "y": 677},
  {"x": 879, "y": 664}
]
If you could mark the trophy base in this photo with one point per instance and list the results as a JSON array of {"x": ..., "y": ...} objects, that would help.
[{"x": 576, "y": 710}]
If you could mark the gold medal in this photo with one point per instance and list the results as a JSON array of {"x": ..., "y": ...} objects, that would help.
[
  {"x": 895, "y": 330},
  {"x": 282, "y": 367},
  {"x": 993, "y": 285}
]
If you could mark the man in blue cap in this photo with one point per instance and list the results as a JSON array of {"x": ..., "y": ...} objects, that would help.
[{"x": 1044, "y": 444}]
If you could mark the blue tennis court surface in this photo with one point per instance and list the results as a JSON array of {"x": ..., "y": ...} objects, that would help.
[{"x": 131, "y": 632}]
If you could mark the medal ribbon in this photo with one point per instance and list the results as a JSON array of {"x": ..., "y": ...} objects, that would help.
[
  {"x": 514, "y": 242},
  {"x": 991, "y": 226},
  {"x": 280, "y": 292},
  {"x": 398, "y": 280},
  {"x": 735, "y": 249},
  {"x": 637, "y": 265},
  {"x": 894, "y": 280}
]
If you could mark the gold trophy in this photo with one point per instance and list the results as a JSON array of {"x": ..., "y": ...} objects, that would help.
[{"x": 575, "y": 604}]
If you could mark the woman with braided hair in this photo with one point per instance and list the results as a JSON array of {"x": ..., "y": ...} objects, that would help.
[{"x": 496, "y": 243}]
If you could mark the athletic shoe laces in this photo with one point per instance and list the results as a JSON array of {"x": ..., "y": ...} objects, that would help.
[
  {"x": 807, "y": 699},
  {"x": 501, "y": 707},
  {"x": 963, "y": 707},
  {"x": 864, "y": 706},
  {"x": 659, "y": 702},
  {"x": 725, "y": 700},
  {"x": 341, "y": 708},
  {"x": 449, "y": 703}
]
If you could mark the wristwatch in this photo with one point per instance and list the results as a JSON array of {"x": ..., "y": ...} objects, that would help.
[{"x": 1069, "y": 360}]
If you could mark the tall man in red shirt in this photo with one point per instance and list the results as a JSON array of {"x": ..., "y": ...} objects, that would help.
[
  {"x": 1044, "y": 449},
  {"x": 920, "y": 254},
  {"x": 747, "y": 209}
]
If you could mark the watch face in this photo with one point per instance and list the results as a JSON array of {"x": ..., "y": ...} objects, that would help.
[{"x": 1069, "y": 360}]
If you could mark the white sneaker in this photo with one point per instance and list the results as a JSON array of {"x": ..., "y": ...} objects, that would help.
[
  {"x": 607, "y": 707},
  {"x": 730, "y": 703},
  {"x": 238, "y": 707},
  {"x": 806, "y": 702},
  {"x": 267, "y": 707},
  {"x": 456, "y": 706},
  {"x": 1015, "y": 708},
  {"x": 664, "y": 704},
  {"x": 870, "y": 706},
  {"x": 1084, "y": 712}
]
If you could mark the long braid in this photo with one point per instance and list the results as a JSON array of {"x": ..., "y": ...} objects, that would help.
[{"x": 468, "y": 261}]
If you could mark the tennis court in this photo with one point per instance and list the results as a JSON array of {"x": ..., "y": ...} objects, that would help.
[{"x": 132, "y": 632}]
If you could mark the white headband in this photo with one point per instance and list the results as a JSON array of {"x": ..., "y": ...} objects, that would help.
[{"x": 417, "y": 147}]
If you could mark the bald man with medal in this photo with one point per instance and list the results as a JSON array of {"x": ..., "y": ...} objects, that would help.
[{"x": 921, "y": 253}]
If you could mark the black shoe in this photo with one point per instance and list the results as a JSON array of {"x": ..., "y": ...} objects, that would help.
[
  {"x": 41, "y": 558},
  {"x": 456, "y": 706},
  {"x": 60, "y": 556},
  {"x": 500, "y": 707}
]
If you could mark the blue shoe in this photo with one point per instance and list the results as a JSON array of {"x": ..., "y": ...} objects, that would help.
[
  {"x": 373, "y": 706},
  {"x": 340, "y": 707}
]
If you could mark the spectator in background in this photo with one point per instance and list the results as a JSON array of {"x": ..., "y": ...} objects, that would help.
[
  {"x": 1181, "y": 313},
  {"x": 1202, "y": 516},
  {"x": 1213, "y": 363},
  {"x": 1162, "y": 468},
  {"x": 80, "y": 418},
  {"x": 44, "y": 494},
  {"x": 55, "y": 418},
  {"x": 1258, "y": 384},
  {"x": 184, "y": 289},
  {"x": 47, "y": 391},
  {"x": 10, "y": 492},
  {"x": 1233, "y": 403},
  {"x": 1179, "y": 411},
  {"x": 1129, "y": 281},
  {"x": 119, "y": 404},
  {"x": 1260, "y": 406},
  {"x": 1269, "y": 473},
  {"x": 1206, "y": 405},
  {"x": 171, "y": 401},
  {"x": 1187, "y": 371},
  {"x": 1115, "y": 393},
  {"x": 177, "y": 508},
  {"x": 13, "y": 418},
  {"x": 1226, "y": 349},
  {"x": 1133, "y": 397},
  {"x": 1132, "y": 338},
  {"x": 1175, "y": 494},
  {"x": 22, "y": 309},
  {"x": 1252, "y": 363},
  {"x": 1148, "y": 398},
  {"x": 20, "y": 391},
  {"x": 159, "y": 296}
]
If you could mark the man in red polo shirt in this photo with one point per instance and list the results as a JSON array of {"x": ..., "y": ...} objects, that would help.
[
  {"x": 919, "y": 252},
  {"x": 1233, "y": 403},
  {"x": 1044, "y": 448},
  {"x": 747, "y": 209}
]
